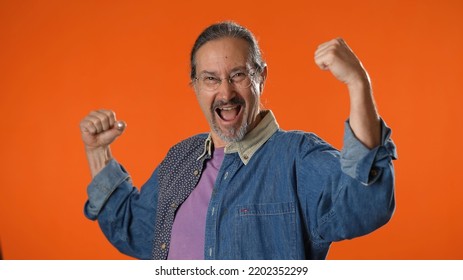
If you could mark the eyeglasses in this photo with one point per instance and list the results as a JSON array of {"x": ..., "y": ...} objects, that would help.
[{"x": 209, "y": 82}]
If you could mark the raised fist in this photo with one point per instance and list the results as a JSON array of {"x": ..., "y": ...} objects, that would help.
[
  {"x": 340, "y": 60},
  {"x": 100, "y": 128}
]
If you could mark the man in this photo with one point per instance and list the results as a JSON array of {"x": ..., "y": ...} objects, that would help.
[{"x": 247, "y": 189}]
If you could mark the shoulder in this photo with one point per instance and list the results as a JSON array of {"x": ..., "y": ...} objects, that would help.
[
  {"x": 191, "y": 147},
  {"x": 301, "y": 143},
  {"x": 191, "y": 142},
  {"x": 299, "y": 137}
]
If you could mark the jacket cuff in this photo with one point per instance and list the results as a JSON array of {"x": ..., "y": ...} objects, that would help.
[
  {"x": 102, "y": 186},
  {"x": 364, "y": 164}
]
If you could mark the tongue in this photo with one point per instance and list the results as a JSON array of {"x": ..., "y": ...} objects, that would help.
[{"x": 229, "y": 115}]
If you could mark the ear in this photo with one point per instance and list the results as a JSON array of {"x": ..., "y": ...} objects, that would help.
[{"x": 263, "y": 77}]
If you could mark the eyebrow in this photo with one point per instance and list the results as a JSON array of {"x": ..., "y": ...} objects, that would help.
[{"x": 238, "y": 68}]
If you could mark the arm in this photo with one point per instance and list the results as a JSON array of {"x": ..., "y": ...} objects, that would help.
[
  {"x": 349, "y": 194},
  {"x": 338, "y": 58},
  {"x": 99, "y": 129},
  {"x": 358, "y": 194},
  {"x": 125, "y": 215}
]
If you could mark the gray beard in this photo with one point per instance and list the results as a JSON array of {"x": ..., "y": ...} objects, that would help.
[{"x": 236, "y": 134}]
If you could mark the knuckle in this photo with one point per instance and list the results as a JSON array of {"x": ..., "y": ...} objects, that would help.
[
  {"x": 93, "y": 113},
  {"x": 330, "y": 55},
  {"x": 85, "y": 127},
  {"x": 104, "y": 118},
  {"x": 112, "y": 116},
  {"x": 107, "y": 115},
  {"x": 86, "y": 121}
]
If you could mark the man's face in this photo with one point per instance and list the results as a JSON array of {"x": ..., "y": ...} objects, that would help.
[{"x": 231, "y": 111}]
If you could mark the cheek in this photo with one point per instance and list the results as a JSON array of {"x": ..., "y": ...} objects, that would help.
[
  {"x": 253, "y": 100},
  {"x": 204, "y": 103}
]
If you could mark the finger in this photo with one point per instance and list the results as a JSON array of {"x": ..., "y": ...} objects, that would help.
[
  {"x": 325, "y": 52},
  {"x": 110, "y": 115},
  {"x": 335, "y": 45},
  {"x": 116, "y": 131},
  {"x": 325, "y": 56},
  {"x": 87, "y": 126},
  {"x": 325, "y": 59},
  {"x": 332, "y": 43},
  {"x": 101, "y": 120},
  {"x": 94, "y": 120},
  {"x": 325, "y": 44},
  {"x": 324, "y": 47},
  {"x": 329, "y": 52}
]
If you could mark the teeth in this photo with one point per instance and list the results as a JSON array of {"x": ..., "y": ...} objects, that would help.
[{"x": 228, "y": 108}]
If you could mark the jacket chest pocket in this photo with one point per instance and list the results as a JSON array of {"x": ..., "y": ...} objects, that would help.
[{"x": 266, "y": 231}]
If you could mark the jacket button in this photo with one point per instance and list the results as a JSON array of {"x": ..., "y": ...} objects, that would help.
[
  {"x": 374, "y": 172},
  {"x": 196, "y": 172},
  {"x": 246, "y": 157},
  {"x": 163, "y": 246},
  {"x": 173, "y": 205}
]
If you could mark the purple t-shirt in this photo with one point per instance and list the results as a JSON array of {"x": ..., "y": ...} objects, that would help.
[{"x": 188, "y": 230}]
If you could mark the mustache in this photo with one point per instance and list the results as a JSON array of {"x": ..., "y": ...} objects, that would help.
[{"x": 234, "y": 101}]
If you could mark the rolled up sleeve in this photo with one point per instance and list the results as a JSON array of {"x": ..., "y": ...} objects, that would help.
[
  {"x": 363, "y": 164},
  {"x": 102, "y": 186}
]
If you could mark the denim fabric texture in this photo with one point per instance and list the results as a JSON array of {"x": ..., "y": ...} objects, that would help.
[{"x": 287, "y": 195}]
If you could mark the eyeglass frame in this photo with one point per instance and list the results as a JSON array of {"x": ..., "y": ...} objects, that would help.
[{"x": 248, "y": 74}]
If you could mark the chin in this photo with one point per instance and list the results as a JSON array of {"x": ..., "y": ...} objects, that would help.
[{"x": 231, "y": 135}]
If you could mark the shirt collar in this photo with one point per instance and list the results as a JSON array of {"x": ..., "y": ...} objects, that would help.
[
  {"x": 207, "y": 148},
  {"x": 253, "y": 140}
]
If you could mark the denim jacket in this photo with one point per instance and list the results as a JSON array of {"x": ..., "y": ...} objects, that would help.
[{"x": 278, "y": 195}]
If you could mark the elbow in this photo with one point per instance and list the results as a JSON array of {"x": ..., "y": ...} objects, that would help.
[
  {"x": 387, "y": 210},
  {"x": 378, "y": 209},
  {"x": 382, "y": 209}
]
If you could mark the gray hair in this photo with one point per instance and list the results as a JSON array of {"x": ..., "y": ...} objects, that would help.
[{"x": 232, "y": 30}]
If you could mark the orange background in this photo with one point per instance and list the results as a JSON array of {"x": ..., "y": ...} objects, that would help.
[{"x": 61, "y": 59}]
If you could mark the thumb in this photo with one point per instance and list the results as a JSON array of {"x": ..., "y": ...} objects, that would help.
[
  {"x": 108, "y": 136},
  {"x": 120, "y": 127},
  {"x": 115, "y": 131}
]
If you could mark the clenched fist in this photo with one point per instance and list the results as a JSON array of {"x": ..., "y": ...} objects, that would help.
[
  {"x": 340, "y": 60},
  {"x": 99, "y": 129}
]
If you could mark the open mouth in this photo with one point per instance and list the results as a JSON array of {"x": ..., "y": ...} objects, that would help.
[{"x": 228, "y": 113}]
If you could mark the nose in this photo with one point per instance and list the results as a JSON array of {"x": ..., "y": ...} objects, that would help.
[{"x": 226, "y": 91}]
